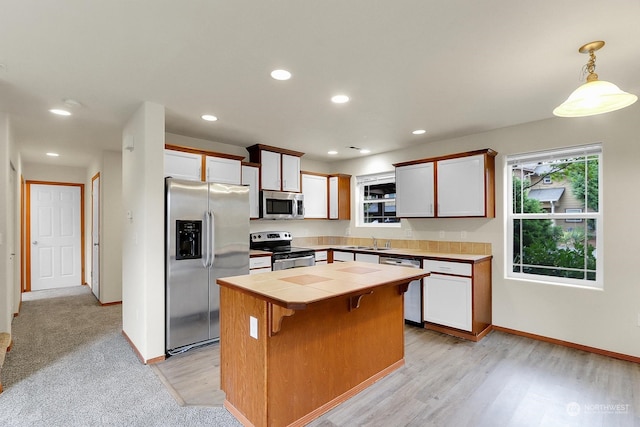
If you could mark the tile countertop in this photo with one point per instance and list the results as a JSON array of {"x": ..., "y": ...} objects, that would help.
[
  {"x": 253, "y": 253},
  {"x": 295, "y": 288},
  {"x": 398, "y": 252}
]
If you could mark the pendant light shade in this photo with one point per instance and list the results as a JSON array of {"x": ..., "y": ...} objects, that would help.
[{"x": 595, "y": 96}]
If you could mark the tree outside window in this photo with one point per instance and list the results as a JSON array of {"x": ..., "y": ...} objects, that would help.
[{"x": 554, "y": 229}]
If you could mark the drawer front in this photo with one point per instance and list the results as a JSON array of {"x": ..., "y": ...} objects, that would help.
[
  {"x": 342, "y": 256},
  {"x": 448, "y": 267},
  {"x": 321, "y": 256},
  {"x": 260, "y": 270},
  {"x": 260, "y": 262}
]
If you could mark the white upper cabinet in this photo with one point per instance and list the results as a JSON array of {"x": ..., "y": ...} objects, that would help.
[
  {"x": 182, "y": 165},
  {"x": 279, "y": 168},
  {"x": 414, "y": 190},
  {"x": 314, "y": 189},
  {"x": 463, "y": 184},
  {"x": 271, "y": 167},
  {"x": 290, "y": 173},
  {"x": 250, "y": 177},
  {"x": 223, "y": 170},
  {"x": 461, "y": 187}
]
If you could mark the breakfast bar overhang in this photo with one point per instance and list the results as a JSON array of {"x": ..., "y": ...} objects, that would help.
[{"x": 296, "y": 343}]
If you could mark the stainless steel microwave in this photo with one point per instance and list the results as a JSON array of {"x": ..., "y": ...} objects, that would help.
[{"x": 281, "y": 205}]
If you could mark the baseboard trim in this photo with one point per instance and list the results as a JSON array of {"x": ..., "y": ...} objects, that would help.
[
  {"x": 139, "y": 355},
  {"x": 105, "y": 304},
  {"x": 569, "y": 344},
  {"x": 457, "y": 332}
]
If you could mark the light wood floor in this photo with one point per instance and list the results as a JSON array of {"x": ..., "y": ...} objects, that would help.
[
  {"x": 504, "y": 380},
  {"x": 193, "y": 378}
]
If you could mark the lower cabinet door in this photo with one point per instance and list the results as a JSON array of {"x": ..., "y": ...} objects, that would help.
[{"x": 447, "y": 301}]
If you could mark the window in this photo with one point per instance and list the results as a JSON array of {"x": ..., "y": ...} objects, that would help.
[
  {"x": 554, "y": 232},
  {"x": 376, "y": 203}
]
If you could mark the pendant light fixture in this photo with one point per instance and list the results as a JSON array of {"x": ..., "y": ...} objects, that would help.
[{"x": 595, "y": 96}]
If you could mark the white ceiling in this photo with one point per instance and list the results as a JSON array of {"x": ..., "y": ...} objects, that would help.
[{"x": 451, "y": 67}]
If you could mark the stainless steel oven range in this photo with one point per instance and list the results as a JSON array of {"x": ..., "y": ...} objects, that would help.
[{"x": 283, "y": 255}]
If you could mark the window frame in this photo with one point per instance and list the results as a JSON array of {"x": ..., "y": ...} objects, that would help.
[
  {"x": 361, "y": 182},
  {"x": 548, "y": 156}
]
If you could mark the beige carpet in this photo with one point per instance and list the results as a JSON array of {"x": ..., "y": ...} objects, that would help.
[
  {"x": 193, "y": 378},
  {"x": 71, "y": 366}
]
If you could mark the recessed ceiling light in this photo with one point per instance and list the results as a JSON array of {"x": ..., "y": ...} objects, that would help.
[
  {"x": 60, "y": 112},
  {"x": 209, "y": 117},
  {"x": 281, "y": 74},
  {"x": 53, "y": 154},
  {"x": 340, "y": 99},
  {"x": 365, "y": 151},
  {"x": 419, "y": 132},
  {"x": 332, "y": 152}
]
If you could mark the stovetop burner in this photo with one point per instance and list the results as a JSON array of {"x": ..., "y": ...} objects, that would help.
[{"x": 278, "y": 242}]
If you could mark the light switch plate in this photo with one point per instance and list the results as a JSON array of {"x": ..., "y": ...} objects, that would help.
[{"x": 253, "y": 327}]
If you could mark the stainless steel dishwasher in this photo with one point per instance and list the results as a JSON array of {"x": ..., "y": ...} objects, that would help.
[{"x": 413, "y": 296}]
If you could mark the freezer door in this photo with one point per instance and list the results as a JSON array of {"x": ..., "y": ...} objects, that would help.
[
  {"x": 229, "y": 208},
  {"x": 187, "y": 290}
]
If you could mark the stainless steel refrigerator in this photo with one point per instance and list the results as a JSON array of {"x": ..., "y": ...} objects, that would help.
[{"x": 207, "y": 237}]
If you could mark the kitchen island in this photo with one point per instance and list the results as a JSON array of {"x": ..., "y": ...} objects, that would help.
[{"x": 296, "y": 343}]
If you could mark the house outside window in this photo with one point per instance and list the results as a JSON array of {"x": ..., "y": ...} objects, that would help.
[
  {"x": 554, "y": 219},
  {"x": 376, "y": 200}
]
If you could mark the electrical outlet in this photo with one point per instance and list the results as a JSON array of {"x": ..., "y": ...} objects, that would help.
[
  {"x": 442, "y": 234},
  {"x": 253, "y": 327},
  {"x": 463, "y": 235},
  {"x": 348, "y": 231},
  {"x": 408, "y": 232},
  {"x": 639, "y": 319}
]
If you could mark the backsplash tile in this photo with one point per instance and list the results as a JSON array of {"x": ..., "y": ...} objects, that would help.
[{"x": 438, "y": 246}]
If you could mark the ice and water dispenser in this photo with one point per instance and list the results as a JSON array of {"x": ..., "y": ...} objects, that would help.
[{"x": 188, "y": 239}]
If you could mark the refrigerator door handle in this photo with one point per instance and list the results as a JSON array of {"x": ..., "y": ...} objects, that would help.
[
  {"x": 212, "y": 240},
  {"x": 207, "y": 245}
]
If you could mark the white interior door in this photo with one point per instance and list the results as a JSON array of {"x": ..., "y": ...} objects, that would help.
[
  {"x": 95, "y": 236},
  {"x": 55, "y": 236}
]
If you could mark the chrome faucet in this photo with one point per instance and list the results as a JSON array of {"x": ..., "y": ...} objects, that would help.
[
  {"x": 387, "y": 244},
  {"x": 375, "y": 243}
]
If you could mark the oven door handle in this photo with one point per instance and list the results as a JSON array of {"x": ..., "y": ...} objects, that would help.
[
  {"x": 280, "y": 264},
  {"x": 303, "y": 258}
]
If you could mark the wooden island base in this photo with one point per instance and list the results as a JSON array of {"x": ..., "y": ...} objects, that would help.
[{"x": 305, "y": 362}]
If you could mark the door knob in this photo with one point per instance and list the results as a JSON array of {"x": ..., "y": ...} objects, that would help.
[{"x": 35, "y": 242}]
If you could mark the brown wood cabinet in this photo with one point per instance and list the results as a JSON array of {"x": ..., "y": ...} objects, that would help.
[
  {"x": 457, "y": 297},
  {"x": 339, "y": 196},
  {"x": 296, "y": 343}
]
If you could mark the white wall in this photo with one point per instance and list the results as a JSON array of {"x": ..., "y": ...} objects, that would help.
[
  {"x": 605, "y": 319},
  {"x": 109, "y": 165},
  {"x": 54, "y": 173},
  {"x": 142, "y": 241},
  {"x": 6, "y": 288},
  {"x": 111, "y": 220}
]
